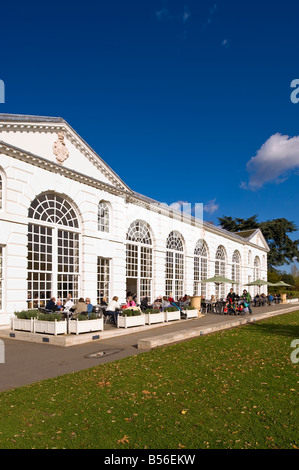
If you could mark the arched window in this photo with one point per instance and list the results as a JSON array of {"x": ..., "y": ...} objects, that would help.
[
  {"x": 220, "y": 270},
  {"x": 256, "y": 272},
  {"x": 103, "y": 217},
  {"x": 200, "y": 268},
  {"x": 236, "y": 271},
  {"x": 249, "y": 258},
  {"x": 174, "y": 279},
  {"x": 139, "y": 259},
  {"x": 53, "y": 250}
]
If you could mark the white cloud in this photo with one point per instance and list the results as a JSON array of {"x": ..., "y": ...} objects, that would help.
[
  {"x": 211, "y": 206},
  {"x": 273, "y": 161}
]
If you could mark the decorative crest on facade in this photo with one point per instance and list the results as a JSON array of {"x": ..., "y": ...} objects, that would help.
[{"x": 59, "y": 149}]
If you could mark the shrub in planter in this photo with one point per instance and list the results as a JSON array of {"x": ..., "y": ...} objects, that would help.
[
  {"x": 130, "y": 313},
  {"x": 153, "y": 315},
  {"x": 170, "y": 309},
  {"x": 49, "y": 317},
  {"x": 26, "y": 314},
  {"x": 172, "y": 313},
  {"x": 130, "y": 317},
  {"x": 82, "y": 317},
  {"x": 152, "y": 310}
]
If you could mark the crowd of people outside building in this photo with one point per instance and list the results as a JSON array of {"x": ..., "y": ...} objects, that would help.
[{"x": 233, "y": 304}]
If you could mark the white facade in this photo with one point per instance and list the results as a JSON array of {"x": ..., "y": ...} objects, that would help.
[{"x": 68, "y": 223}]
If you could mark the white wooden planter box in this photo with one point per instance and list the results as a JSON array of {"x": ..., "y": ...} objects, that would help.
[
  {"x": 170, "y": 316},
  {"x": 86, "y": 326},
  {"x": 125, "y": 321},
  {"x": 22, "y": 324},
  {"x": 190, "y": 313},
  {"x": 151, "y": 318},
  {"x": 50, "y": 327}
]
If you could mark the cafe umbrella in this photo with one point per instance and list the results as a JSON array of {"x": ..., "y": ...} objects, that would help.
[
  {"x": 281, "y": 284},
  {"x": 218, "y": 280},
  {"x": 259, "y": 283}
]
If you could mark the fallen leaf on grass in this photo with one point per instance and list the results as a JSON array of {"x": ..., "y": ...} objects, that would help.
[{"x": 123, "y": 440}]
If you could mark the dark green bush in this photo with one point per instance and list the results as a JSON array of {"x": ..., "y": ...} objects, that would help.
[
  {"x": 130, "y": 313},
  {"x": 49, "y": 316},
  {"x": 26, "y": 314},
  {"x": 170, "y": 309},
  {"x": 152, "y": 310}
]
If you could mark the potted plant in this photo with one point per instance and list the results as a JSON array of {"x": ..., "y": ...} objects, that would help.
[
  {"x": 189, "y": 312},
  {"x": 153, "y": 315},
  {"x": 171, "y": 313},
  {"x": 82, "y": 324},
  {"x": 23, "y": 320},
  {"x": 50, "y": 323},
  {"x": 130, "y": 317}
]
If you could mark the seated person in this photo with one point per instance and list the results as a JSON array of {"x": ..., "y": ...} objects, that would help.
[
  {"x": 68, "y": 302},
  {"x": 51, "y": 304},
  {"x": 80, "y": 307},
  {"x": 130, "y": 302},
  {"x": 59, "y": 305},
  {"x": 165, "y": 302},
  {"x": 158, "y": 302},
  {"x": 256, "y": 300},
  {"x": 89, "y": 306},
  {"x": 144, "y": 303},
  {"x": 104, "y": 302},
  {"x": 113, "y": 308}
]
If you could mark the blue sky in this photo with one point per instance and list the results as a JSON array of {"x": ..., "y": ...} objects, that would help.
[{"x": 176, "y": 96}]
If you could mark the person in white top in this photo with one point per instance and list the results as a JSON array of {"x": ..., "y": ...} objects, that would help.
[
  {"x": 68, "y": 303},
  {"x": 113, "y": 308}
]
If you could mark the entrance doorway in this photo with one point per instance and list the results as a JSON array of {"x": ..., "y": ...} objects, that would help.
[{"x": 132, "y": 286}]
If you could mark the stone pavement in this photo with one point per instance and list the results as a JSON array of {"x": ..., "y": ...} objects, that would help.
[{"x": 27, "y": 362}]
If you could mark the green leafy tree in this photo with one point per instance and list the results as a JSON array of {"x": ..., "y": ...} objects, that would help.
[{"x": 282, "y": 248}]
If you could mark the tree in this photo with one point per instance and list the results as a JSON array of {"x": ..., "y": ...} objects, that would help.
[{"x": 282, "y": 248}]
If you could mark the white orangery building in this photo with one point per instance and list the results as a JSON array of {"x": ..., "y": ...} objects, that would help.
[{"x": 69, "y": 224}]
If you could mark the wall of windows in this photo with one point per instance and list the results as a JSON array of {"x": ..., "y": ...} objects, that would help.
[
  {"x": 53, "y": 251},
  {"x": 236, "y": 272},
  {"x": 174, "y": 272},
  {"x": 220, "y": 270},
  {"x": 139, "y": 260},
  {"x": 200, "y": 268},
  {"x": 103, "y": 281},
  {"x": 103, "y": 217}
]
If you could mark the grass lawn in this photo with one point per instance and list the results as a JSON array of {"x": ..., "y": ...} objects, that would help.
[{"x": 234, "y": 389}]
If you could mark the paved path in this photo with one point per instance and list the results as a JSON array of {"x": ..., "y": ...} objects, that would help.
[{"x": 27, "y": 363}]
